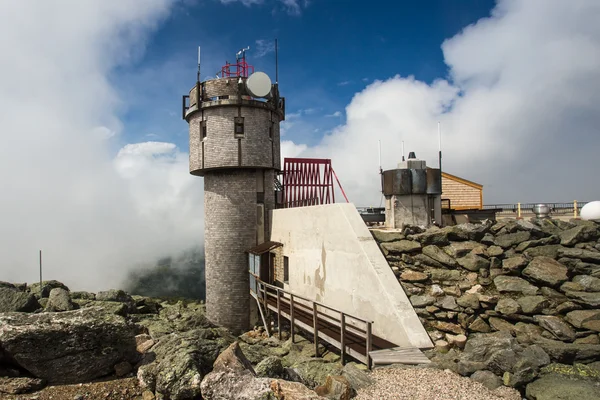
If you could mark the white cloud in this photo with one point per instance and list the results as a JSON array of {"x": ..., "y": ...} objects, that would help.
[
  {"x": 336, "y": 114},
  {"x": 63, "y": 191},
  {"x": 263, "y": 47},
  {"x": 344, "y": 83},
  {"x": 293, "y": 7},
  {"x": 521, "y": 114}
]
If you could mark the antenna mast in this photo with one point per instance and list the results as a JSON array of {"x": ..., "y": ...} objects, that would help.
[
  {"x": 403, "y": 150},
  {"x": 276, "y": 64},
  {"x": 198, "y": 74},
  {"x": 440, "y": 146}
]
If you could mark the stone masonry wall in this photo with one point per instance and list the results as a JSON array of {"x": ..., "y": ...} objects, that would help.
[
  {"x": 230, "y": 230},
  {"x": 506, "y": 299}
]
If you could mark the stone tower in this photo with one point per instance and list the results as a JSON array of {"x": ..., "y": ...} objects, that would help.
[{"x": 234, "y": 144}]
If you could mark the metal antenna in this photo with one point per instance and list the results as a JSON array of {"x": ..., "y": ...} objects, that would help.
[
  {"x": 276, "y": 64},
  {"x": 440, "y": 145},
  {"x": 380, "y": 170},
  {"x": 198, "y": 75},
  {"x": 403, "y": 150},
  {"x": 40, "y": 271}
]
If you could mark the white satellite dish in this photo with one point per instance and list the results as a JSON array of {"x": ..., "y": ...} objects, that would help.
[
  {"x": 591, "y": 211},
  {"x": 258, "y": 84}
]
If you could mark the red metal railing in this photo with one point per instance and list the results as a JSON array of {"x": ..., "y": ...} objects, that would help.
[
  {"x": 240, "y": 68},
  {"x": 309, "y": 182}
]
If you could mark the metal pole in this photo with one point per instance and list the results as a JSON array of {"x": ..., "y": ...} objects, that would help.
[
  {"x": 519, "y": 210},
  {"x": 276, "y": 63},
  {"x": 343, "y": 337},
  {"x": 316, "y": 331},
  {"x": 575, "y": 209},
  {"x": 40, "y": 271}
]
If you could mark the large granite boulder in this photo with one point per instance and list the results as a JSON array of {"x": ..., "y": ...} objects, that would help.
[
  {"x": 181, "y": 360},
  {"x": 59, "y": 300},
  {"x": 69, "y": 347},
  {"x": 43, "y": 290},
  {"x": 12, "y": 299}
]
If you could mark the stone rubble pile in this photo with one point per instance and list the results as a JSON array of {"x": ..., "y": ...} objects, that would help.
[{"x": 502, "y": 301}]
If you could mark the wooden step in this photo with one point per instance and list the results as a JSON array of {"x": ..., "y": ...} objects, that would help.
[{"x": 399, "y": 355}]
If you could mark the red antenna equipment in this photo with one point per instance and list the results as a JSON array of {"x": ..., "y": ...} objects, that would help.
[{"x": 240, "y": 69}]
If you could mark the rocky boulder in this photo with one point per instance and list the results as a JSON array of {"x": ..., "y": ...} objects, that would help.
[
  {"x": 181, "y": 360},
  {"x": 59, "y": 300},
  {"x": 546, "y": 271},
  {"x": 43, "y": 291},
  {"x": 12, "y": 299},
  {"x": 69, "y": 347}
]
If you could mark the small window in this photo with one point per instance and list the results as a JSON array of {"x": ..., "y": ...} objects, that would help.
[
  {"x": 286, "y": 269},
  {"x": 203, "y": 128},
  {"x": 239, "y": 127}
]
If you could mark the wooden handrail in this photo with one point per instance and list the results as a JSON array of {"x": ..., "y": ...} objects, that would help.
[{"x": 264, "y": 291}]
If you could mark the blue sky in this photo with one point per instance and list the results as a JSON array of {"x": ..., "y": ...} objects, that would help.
[{"x": 328, "y": 51}]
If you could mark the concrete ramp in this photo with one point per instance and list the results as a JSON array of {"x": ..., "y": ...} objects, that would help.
[{"x": 333, "y": 259}]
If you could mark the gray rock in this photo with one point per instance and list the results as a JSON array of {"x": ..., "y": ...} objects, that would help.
[
  {"x": 555, "y": 325},
  {"x": 383, "y": 236},
  {"x": 514, "y": 263},
  {"x": 46, "y": 287},
  {"x": 270, "y": 367},
  {"x": 533, "y": 304},
  {"x": 447, "y": 303},
  {"x": 527, "y": 334},
  {"x": 488, "y": 379},
  {"x": 472, "y": 262},
  {"x": 444, "y": 275},
  {"x": 513, "y": 284},
  {"x": 422, "y": 301},
  {"x": 581, "y": 233},
  {"x": 566, "y": 307},
  {"x": 553, "y": 386},
  {"x": 439, "y": 255},
  {"x": 422, "y": 259},
  {"x": 413, "y": 276},
  {"x": 83, "y": 295},
  {"x": 59, "y": 300},
  {"x": 567, "y": 353},
  {"x": 553, "y": 295},
  {"x": 461, "y": 249},
  {"x": 584, "y": 255},
  {"x": 433, "y": 236},
  {"x": 480, "y": 326},
  {"x": 495, "y": 251},
  {"x": 508, "y": 306},
  {"x": 511, "y": 239},
  {"x": 12, "y": 299},
  {"x": 534, "y": 356},
  {"x": 68, "y": 347},
  {"x": 357, "y": 378},
  {"x": 401, "y": 246},
  {"x": 578, "y": 317},
  {"x": 589, "y": 283},
  {"x": 314, "y": 372},
  {"x": 469, "y": 301},
  {"x": 546, "y": 270},
  {"x": 114, "y": 295},
  {"x": 544, "y": 251},
  {"x": 20, "y": 385},
  {"x": 183, "y": 359},
  {"x": 591, "y": 299}
]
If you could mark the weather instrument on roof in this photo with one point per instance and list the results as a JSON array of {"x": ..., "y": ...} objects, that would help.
[{"x": 258, "y": 85}]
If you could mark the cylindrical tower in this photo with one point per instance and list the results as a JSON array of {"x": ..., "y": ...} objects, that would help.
[{"x": 234, "y": 144}]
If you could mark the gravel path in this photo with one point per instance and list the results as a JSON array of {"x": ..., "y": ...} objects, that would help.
[{"x": 429, "y": 384}]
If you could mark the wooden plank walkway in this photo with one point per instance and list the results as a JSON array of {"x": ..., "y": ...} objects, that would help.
[{"x": 350, "y": 334}]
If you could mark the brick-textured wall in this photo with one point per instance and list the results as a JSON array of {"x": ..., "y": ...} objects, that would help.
[
  {"x": 221, "y": 145},
  {"x": 460, "y": 194},
  {"x": 230, "y": 230}
]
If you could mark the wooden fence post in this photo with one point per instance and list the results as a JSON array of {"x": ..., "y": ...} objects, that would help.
[
  {"x": 292, "y": 317},
  {"x": 519, "y": 210},
  {"x": 279, "y": 313},
  {"x": 316, "y": 330},
  {"x": 343, "y": 336},
  {"x": 369, "y": 345}
]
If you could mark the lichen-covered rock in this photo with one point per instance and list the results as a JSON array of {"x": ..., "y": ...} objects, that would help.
[
  {"x": 383, "y": 236},
  {"x": 313, "y": 373},
  {"x": 461, "y": 249},
  {"x": 581, "y": 233},
  {"x": 401, "y": 246},
  {"x": 555, "y": 325},
  {"x": 487, "y": 378},
  {"x": 83, "y": 295},
  {"x": 114, "y": 295},
  {"x": 508, "y": 306},
  {"x": 473, "y": 262},
  {"x": 514, "y": 263},
  {"x": 578, "y": 317},
  {"x": 68, "y": 347},
  {"x": 59, "y": 300},
  {"x": 270, "y": 367},
  {"x": 12, "y": 299},
  {"x": 46, "y": 287},
  {"x": 533, "y": 304},
  {"x": 514, "y": 284},
  {"x": 553, "y": 386},
  {"x": 422, "y": 301},
  {"x": 413, "y": 276},
  {"x": 439, "y": 255},
  {"x": 335, "y": 388},
  {"x": 182, "y": 360},
  {"x": 591, "y": 299},
  {"x": 511, "y": 239},
  {"x": 589, "y": 283},
  {"x": 547, "y": 271}
]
